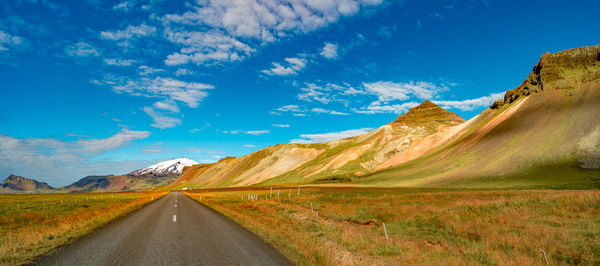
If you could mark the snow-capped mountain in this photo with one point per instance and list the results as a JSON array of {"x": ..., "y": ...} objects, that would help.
[{"x": 170, "y": 167}]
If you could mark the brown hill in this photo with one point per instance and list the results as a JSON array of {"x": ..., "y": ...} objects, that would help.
[
  {"x": 344, "y": 159},
  {"x": 427, "y": 112},
  {"x": 21, "y": 184}
]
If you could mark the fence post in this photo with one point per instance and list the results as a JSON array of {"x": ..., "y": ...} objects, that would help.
[
  {"x": 298, "y": 191},
  {"x": 546, "y": 258},
  {"x": 386, "y": 235},
  {"x": 448, "y": 236}
]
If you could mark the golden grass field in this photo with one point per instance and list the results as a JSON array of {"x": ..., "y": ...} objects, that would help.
[
  {"x": 34, "y": 224},
  {"x": 326, "y": 225}
]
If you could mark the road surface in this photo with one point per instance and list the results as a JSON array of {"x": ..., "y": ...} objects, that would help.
[{"x": 173, "y": 230}]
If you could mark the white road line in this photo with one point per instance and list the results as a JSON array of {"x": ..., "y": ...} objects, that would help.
[
  {"x": 174, "y": 217},
  {"x": 175, "y": 205}
]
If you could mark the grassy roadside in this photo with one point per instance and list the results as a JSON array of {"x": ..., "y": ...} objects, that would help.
[
  {"x": 345, "y": 226},
  {"x": 34, "y": 224}
]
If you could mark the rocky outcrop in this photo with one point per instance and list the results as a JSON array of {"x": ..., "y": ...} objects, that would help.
[{"x": 564, "y": 70}]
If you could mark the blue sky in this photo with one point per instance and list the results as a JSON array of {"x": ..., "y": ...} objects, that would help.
[{"x": 94, "y": 87}]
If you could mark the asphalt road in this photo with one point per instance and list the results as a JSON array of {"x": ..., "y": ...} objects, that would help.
[{"x": 173, "y": 230}]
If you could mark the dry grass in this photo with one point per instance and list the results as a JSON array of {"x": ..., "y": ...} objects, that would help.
[
  {"x": 32, "y": 225},
  {"x": 483, "y": 227}
]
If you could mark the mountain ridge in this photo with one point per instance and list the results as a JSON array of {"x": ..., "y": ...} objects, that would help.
[
  {"x": 542, "y": 122},
  {"x": 19, "y": 183}
]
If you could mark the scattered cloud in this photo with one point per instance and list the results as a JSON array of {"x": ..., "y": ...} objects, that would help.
[
  {"x": 60, "y": 162},
  {"x": 205, "y": 47},
  {"x": 81, "y": 49},
  {"x": 249, "y": 145},
  {"x": 146, "y": 70},
  {"x": 326, "y": 137},
  {"x": 129, "y": 33},
  {"x": 123, "y": 6},
  {"x": 290, "y": 108},
  {"x": 391, "y": 91},
  {"x": 327, "y": 93},
  {"x": 118, "y": 61},
  {"x": 190, "y": 93},
  {"x": 329, "y": 51},
  {"x": 183, "y": 72},
  {"x": 386, "y": 31},
  {"x": 325, "y": 111},
  {"x": 471, "y": 104},
  {"x": 233, "y": 25},
  {"x": 161, "y": 120},
  {"x": 8, "y": 41},
  {"x": 378, "y": 108},
  {"x": 280, "y": 125},
  {"x": 167, "y": 105},
  {"x": 248, "y": 132},
  {"x": 291, "y": 66}
]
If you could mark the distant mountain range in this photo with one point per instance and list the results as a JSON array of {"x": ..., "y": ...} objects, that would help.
[
  {"x": 15, "y": 183},
  {"x": 544, "y": 133},
  {"x": 159, "y": 174}
]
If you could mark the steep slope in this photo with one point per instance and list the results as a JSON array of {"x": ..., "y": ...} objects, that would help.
[
  {"x": 336, "y": 160},
  {"x": 19, "y": 184},
  {"x": 544, "y": 133}
]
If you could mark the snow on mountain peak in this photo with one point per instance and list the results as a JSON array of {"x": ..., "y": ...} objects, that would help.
[{"x": 170, "y": 167}]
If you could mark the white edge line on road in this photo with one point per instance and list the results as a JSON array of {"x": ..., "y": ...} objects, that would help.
[{"x": 174, "y": 217}]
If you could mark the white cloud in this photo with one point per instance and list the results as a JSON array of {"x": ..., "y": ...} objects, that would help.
[
  {"x": 81, "y": 49},
  {"x": 258, "y": 132},
  {"x": 190, "y": 93},
  {"x": 256, "y": 22},
  {"x": 292, "y": 66},
  {"x": 280, "y": 125},
  {"x": 146, "y": 70},
  {"x": 129, "y": 33},
  {"x": 183, "y": 72},
  {"x": 248, "y": 132},
  {"x": 205, "y": 47},
  {"x": 161, "y": 120},
  {"x": 167, "y": 105},
  {"x": 471, "y": 104},
  {"x": 118, "y": 61},
  {"x": 326, "y": 137},
  {"x": 123, "y": 6},
  {"x": 329, "y": 51},
  {"x": 249, "y": 145},
  {"x": 8, "y": 41},
  {"x": 377, "y": 108},
  {"x": 266, "y": 20},
  {"x": 325, "y": 111},
  {"x": 328, "y": 93},
  {"x": 60, "y": 162},
  {"x": 391, "y": 91},
  {"x": 290, "y": 108}
]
